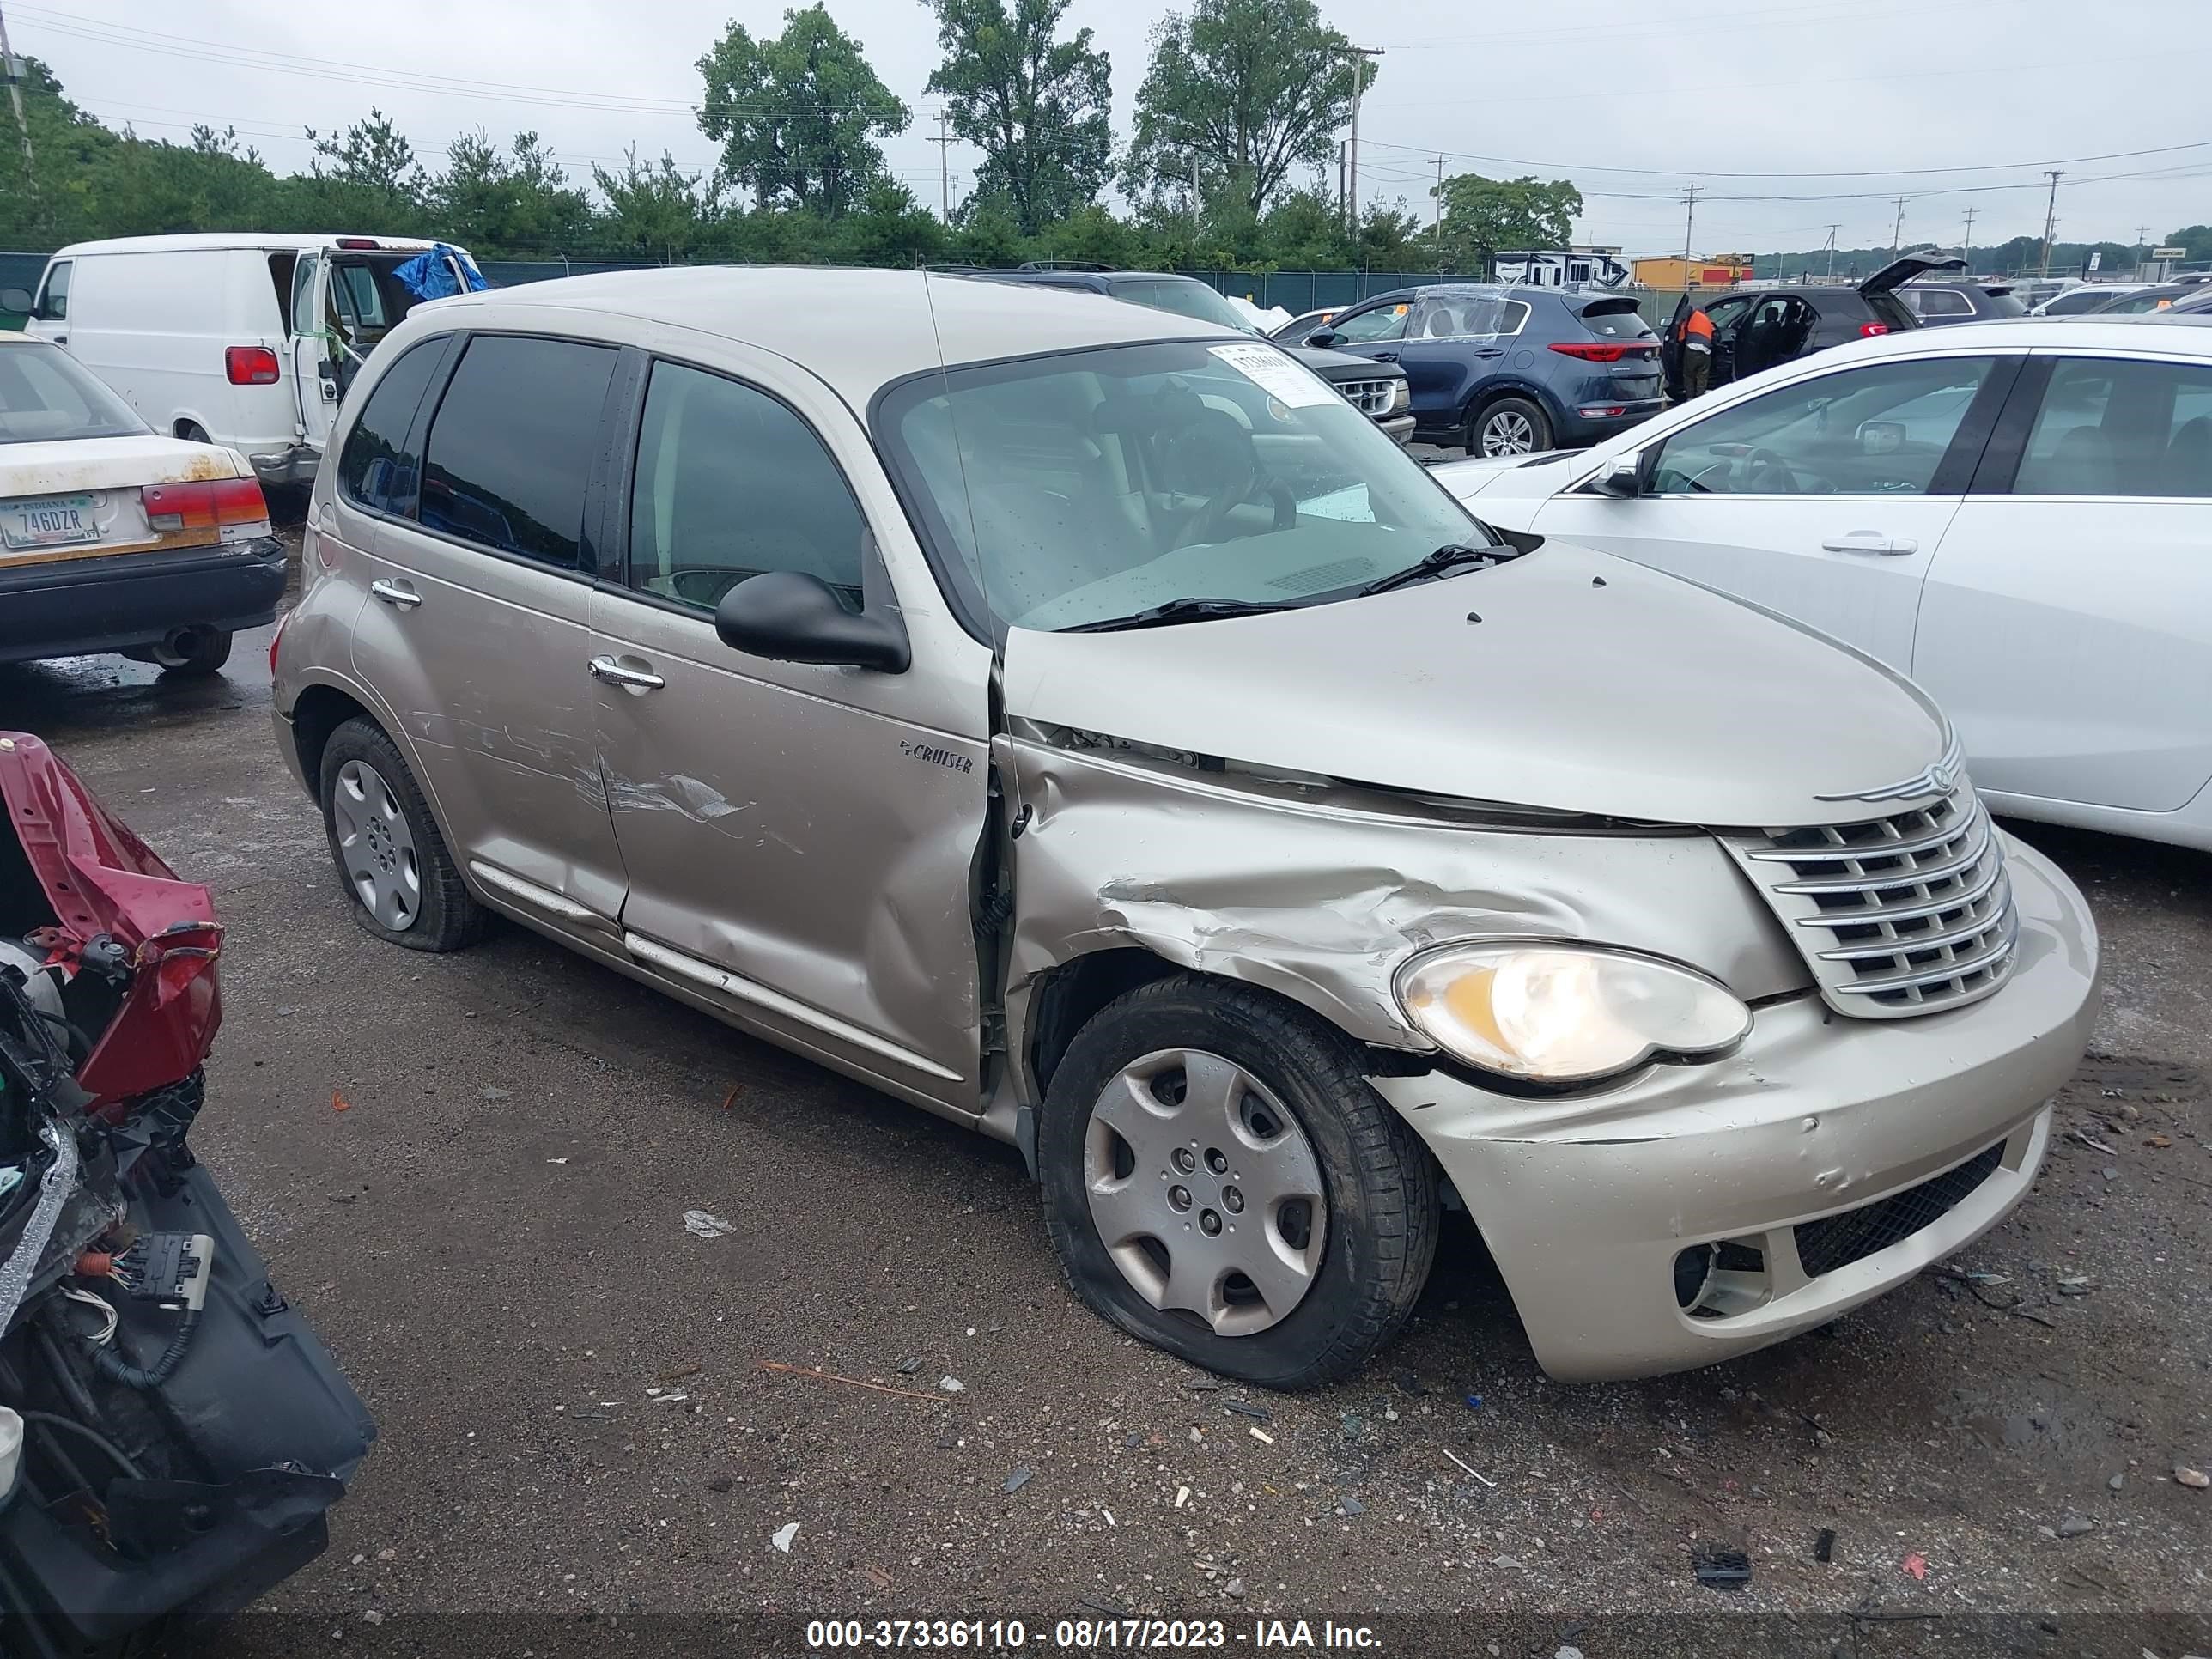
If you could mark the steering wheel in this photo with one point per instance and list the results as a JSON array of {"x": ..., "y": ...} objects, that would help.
[
  {"x": 1214, "y": 449},
  {"x": 1765, "y": 473}
]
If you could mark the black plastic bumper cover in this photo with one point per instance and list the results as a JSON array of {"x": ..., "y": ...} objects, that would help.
[
  {"x": 259, "y": 1403},
  {"x": 127, "y": 599}
]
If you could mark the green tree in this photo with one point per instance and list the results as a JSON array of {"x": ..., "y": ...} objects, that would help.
[
  {"x": 888, "y": 227},
  {"x": 520, "y": 201},
  {"x": 365, "y": 179},
  {"x": 656, "y": 212},
  {"x": 796, "y": 114},
  {"x": 1036, "y": 105},
  {"x": 1252, "y": 89},
  {"x": 2196, "y": 239},
  {"x": 76, "y": 184},
  {"x": 1482, "y": 216}
]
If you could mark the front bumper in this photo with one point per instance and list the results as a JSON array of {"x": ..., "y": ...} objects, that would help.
[
  {"x": 1399, "y": 428},
  {"x": 1586, "y": 1203},
  {"x": 120, "y": 601}
]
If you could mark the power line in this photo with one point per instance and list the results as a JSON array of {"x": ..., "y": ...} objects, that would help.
[{"x": 1863, "y": 173}]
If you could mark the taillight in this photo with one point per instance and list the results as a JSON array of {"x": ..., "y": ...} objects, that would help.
[
  {"x": 275, "y": 640},
  {"x": 250, "y": 365},
  {"x": 357, "y": 241},
  {"x": 1868, "y": 330},
  {"x": 1592, "y": 352},
  {"x": 234, "y": 507}
]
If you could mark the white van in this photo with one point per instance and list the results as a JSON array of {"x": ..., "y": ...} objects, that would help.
[{"x": 245, "y": 338}]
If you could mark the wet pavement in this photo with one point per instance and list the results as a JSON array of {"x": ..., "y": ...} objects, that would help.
[{"x": 473, "y": 1171}]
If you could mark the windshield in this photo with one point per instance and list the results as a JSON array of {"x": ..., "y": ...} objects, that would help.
[
  {"x": 1184, "y": 297},
  {"x": 1094, "y": 484},
  {"x": 47, "y": 397}
]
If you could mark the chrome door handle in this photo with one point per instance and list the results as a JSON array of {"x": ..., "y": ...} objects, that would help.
[
  {"x": 1870, "y": 541},
  {"x": 393, "y": 593},
  {"x": 614, "y": 673}
]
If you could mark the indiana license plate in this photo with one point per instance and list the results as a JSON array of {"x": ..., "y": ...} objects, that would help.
[{"x": 48, "y": 521}]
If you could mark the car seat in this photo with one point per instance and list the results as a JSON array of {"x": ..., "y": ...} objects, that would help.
[
  {"x": 2188, "y": 469},
  {"x": 2082, "y": 464}
]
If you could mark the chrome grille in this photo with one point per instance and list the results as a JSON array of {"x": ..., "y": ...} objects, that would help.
[
  {"x": 1368, "y": 397},
  {"x": 1897, "y": 915}
]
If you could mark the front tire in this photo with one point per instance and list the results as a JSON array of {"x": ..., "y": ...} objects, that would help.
[
  {"x": 404, "y": 885},
  {"x": 1220, "y": 1180},
  {"x": 1510, "y": 426}
]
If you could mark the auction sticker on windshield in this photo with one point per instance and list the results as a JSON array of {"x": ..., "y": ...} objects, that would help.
[
  {"x": 1277, "y": 375},
  {"x": 48, "y": 521}
]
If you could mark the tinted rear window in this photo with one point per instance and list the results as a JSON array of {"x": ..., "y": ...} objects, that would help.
[
  {"x": 512, "y": 445},
  {"x": 2000, "y": 302},
  {"x": 373, "y": 469},
  {"x": 1615, "y": 320}
]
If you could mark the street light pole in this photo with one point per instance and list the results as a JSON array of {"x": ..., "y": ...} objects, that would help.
[{"x": 8, "y": 68}]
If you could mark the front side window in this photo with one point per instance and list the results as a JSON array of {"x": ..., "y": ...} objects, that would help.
[
  {"x": 2109, "y": 426},
  {"x": 511, "y": 446},
  {"x": 47, "y": 397},
  {"x": 52, "y": 305},
  {"x": 1880, "y": 430},
  {"x": 374, "y": 468},
  {"x": 1725, "y": 314},
  {"x": 1383, "y": 323},
  {"x": 1093, "y": 485},
  {"x": 729, "y": 483}
]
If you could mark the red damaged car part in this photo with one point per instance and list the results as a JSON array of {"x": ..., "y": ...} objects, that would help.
[{"x": 102, "y": 884}]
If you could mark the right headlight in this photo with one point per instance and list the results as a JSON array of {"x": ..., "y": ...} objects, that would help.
[
  {"x": 1401, "y": 395},
  {"x": 1566, "y": 1014}
]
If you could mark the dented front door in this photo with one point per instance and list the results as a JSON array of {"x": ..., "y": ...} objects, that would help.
[{"x": 799, "y": 839}]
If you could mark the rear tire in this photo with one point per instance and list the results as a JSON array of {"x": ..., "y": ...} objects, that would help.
[
  {"x": 193, "y": 433},
  {"x": 1236, "y": 1103},
  {"x": 1509, "y": 425},
  {"x": 201, "y": 653},
  {"x": 403, "y": 883}
]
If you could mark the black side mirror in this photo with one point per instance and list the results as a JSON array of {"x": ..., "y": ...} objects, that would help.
[
  {"x": 788, "y": 615},
  {"x": 18, "y": 300},
  {"x": 1324, "y": 338}
]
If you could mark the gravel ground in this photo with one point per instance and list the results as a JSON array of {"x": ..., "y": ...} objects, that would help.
[{"x": 578, "y": 1419}]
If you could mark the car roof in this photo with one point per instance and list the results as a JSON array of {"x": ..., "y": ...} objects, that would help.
[
  {"x": 856, "y": 329},
  {"x": 222, "y": 240},
  {"x": 2043, "y": 333}
]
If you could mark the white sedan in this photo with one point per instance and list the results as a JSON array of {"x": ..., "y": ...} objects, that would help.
[
  {"x": 2017, "y": 514},
  {"x": 113, "y": 538}
]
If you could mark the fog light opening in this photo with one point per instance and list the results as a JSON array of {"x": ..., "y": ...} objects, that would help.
[{"x": 1694, "y": 1275}]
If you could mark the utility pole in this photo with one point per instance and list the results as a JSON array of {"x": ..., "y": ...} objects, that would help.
[
  {"x": 943, "y": 143},
  {"x": 1968, "y": 251},
  {"x": 1343, "y": 195},
  {"x": 9, "y": 69},
  {"x": 2050, "y": 213},
  {"x": 1440, "y": 215},
  {"x": 1832, "y": 229},
  {"x": 1897, "y": 230},
  {"x": 1689, "y": 220},
  {"x": 1352, "y": 170},
  {"x": 1196, "y": 203}
]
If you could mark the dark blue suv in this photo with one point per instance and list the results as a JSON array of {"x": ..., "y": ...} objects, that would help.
[{"x": 1506, "y": 371}]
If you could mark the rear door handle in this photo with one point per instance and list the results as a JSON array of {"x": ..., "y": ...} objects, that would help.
[
  {"x": 399, "y": 595},
  {"x": 1870, "y": 541},
  {"x": 1491, "y": 351},
  {"x": 614, "y": 672}
]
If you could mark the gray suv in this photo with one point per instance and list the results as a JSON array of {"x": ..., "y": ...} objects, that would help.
[{"x": 1081, "y": 723}]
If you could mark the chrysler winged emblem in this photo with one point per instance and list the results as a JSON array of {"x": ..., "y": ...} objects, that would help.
[{"x": 1939, "y": 777}]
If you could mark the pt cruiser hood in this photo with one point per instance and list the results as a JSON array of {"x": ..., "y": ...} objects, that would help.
[{"x": 1590, "y": 684}]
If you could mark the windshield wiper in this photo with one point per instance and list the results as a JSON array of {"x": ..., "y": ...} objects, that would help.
[
  {"x": 1178, "y": 611},
  {"x": 1450, "y": 556}
]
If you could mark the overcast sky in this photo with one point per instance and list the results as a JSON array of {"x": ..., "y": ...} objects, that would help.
[{"x": 1842, "y": 103}]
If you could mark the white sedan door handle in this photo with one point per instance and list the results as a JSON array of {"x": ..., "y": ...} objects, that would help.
[
  {"x": 615, "y": 673},
  {"x": 396, "y": 594},
  {"x": 1870, "y": 541}
]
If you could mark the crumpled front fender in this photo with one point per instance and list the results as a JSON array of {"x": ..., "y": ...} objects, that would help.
[{"x": 1319, "y": 892}]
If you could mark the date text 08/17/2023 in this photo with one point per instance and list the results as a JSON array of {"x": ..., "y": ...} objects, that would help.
[{"x": 1091, "y": 1635}]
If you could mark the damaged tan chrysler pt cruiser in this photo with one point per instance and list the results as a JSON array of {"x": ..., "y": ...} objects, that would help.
[{"x": 1084, "y": 724}]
